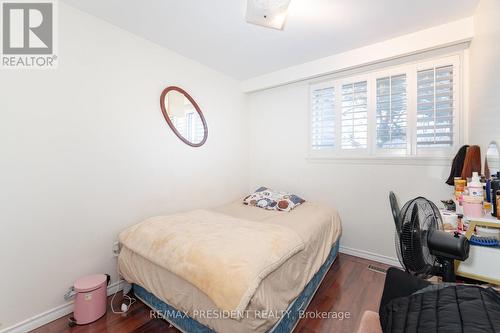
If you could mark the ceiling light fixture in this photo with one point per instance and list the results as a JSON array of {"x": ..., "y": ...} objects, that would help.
[{"x": 267, "y": 13}]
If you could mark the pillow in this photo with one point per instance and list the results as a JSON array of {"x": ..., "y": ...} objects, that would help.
[{"x": 269, "y": 199}]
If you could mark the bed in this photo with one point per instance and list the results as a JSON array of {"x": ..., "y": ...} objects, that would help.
[{"x": 276, "y": 301}]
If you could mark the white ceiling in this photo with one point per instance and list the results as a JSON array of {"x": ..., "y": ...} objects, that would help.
[{"x": 214, "y": 32}]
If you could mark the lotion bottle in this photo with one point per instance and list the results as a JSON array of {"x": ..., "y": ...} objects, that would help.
[{"x": 475, "y": 187}]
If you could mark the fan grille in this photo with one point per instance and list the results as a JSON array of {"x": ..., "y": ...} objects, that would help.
[{"x": 417, "y": 217}]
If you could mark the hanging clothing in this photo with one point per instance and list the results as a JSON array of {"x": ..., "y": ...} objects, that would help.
[
  {"x": 472, "y": 162},
  {"x": 457, "y": 165}
]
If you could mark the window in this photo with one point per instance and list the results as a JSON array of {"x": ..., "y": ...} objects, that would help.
[
  {"x": 323, "y": 118},
  {"x": 410, "y": 110},
  {"x": 435, "y": 107},
  {"x": 391, "y": 112},
  {"x": 354, "y": 116}
]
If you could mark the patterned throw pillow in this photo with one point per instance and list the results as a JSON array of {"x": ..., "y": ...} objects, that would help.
[{"x": 267, "y": 198}]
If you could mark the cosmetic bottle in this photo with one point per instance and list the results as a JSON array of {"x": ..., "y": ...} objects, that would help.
[
  {"x": 495, "y": 186},
  {"x": 474, "y": 187},
  {"x": 498, "y": 204}
]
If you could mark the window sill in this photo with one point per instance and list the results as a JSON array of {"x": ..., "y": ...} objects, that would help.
[{"x": 383, "y": 160}]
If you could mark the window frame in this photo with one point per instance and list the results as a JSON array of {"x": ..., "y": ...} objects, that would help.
[
  {"x": 317, "y": 86},
  {"x": 457, "y": 92},
  {"x": 372, "y": 151},
  {"x": 338, "y": 129},
  {"x": 405, "y": 69}
]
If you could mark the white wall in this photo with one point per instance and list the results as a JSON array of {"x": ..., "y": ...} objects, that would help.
[
  {"x": 278, "y": 150},
  {"x": 85, "y": 152},
  {"x": 435, "y": 37},
  {"x": 485, "y": 74}
]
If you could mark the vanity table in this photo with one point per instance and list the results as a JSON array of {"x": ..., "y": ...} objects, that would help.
[{"x": 483, "y": 263}]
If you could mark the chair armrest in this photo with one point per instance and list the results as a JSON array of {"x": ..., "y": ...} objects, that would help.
[{"x": 370, "y": 323}]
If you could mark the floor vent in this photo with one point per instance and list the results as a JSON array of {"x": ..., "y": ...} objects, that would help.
[{"x": 377, "y": 269}]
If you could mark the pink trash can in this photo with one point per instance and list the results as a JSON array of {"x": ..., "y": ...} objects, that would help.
[{"x": 90, "y": 299}]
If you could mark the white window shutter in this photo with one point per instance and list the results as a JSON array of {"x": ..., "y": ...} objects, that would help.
[
  {"x": 408, "y": 110},
  {"x": 435, "y": 107},
  {"x": 190, "y": 126},
  {"x": 198, "y": 128},
  {"x": 391, "y": 112},
  {"x": 354, "y": 120},
  {"x": 323, "y": 118},
  {"x": 180, "y": 125}
]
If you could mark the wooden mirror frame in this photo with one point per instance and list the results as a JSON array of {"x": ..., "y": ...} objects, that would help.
[{"x": 171, "y": 125}]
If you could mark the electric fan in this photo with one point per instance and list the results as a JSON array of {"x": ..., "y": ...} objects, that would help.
[{"x": 423, "y": 247}]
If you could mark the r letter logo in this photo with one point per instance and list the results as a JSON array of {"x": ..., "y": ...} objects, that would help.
[{"x": 28, "y": 34}]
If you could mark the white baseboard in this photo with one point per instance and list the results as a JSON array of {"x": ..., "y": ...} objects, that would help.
[
  {"x": 370, "y": 255},
  {"x": 52, "y": 314}
]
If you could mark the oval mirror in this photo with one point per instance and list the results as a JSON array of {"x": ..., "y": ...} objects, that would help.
[
  {"x": 184, "y": 116},
  {"x": 492, "y": 158}
]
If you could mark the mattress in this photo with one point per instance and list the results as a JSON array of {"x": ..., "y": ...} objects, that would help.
[{"x": 319, "y": 227}]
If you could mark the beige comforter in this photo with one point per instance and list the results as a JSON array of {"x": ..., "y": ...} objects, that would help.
[
  {"x": 318, "y": 225},
  {"x": 223, "y": 256}
]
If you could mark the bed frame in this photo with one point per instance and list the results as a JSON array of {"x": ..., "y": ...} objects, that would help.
[{"x": 286, "y": 324}]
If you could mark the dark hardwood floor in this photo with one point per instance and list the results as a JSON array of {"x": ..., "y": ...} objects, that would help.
[{"x": 349, "y": 286}]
